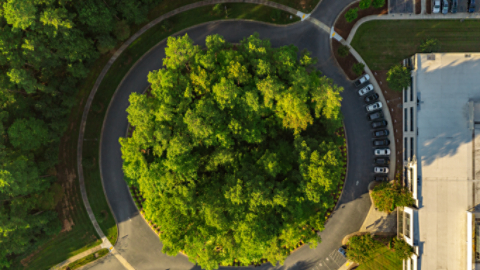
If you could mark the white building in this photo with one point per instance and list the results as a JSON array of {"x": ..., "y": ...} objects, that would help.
[{"x": 441, "y": 139}]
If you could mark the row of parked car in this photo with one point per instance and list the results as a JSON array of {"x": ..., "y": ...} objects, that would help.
[
  {"x": 378, "y": 125},
  {"x": 444, "y": 6}
]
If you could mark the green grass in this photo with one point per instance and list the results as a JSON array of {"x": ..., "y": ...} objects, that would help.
[
  {"x": 383, "y": 44},
  {"x": 385, "y": 260},
  {"x": 88, "y": 259}
]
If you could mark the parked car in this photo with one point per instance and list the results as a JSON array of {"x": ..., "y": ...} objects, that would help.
[
  {"x": 378, "y": 124},
  {"x": 382, "y": 152},
  {"x": 375, "y": 116},
  {"x": 445, "y": 7},
  {"x": 454, "y": 6},
  {"x": 361, "y": 80},
  {"x": 365, "y": 90},
  {"x": 380, "y": 170},
  {"x": 374, "y": 107},
  {"x": 380, "y": 178},
  {"x": 380, "y": 133},
  {"x": 381, "y": 142},
  {"x": 436, "y": 6},
  {"x": 471, "y": 6},
  {"x": 371, "y": 98},
  {"x": 342, "y": 251},
  {"x": 382, "y": 161}
]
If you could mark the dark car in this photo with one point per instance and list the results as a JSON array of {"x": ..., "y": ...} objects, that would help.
[
  {"x": 375, "y": 116},
  {"x": 380, "y": 178},
  {"x": 382, "y": 161},
  {"x": 371, "y": 98},
  {"x": 471, "y": 6},
  {"x": 342, "y": 251},
  {"x": 381, "y": 142},
  {"x": 454, "y": 6},
  {"x": 380, "y": 133},
  {"x": 378, "y": 124}
]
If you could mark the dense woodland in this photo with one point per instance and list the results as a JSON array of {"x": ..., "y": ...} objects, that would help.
[
  {"x": 236, "y": 150},
  {"x": 46, "y": 47}
]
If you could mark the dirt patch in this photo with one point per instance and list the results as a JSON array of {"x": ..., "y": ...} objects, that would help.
[
  {"x": 395, "y": 105},
  {"x": 418, "y": 6},
  {"x": 343, "y": 27},
  {"x": 429, "y": 6},
  {"x": 346, "y": 63}
]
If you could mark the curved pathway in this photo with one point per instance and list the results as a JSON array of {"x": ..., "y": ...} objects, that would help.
[{"x": 139, "y": 245}]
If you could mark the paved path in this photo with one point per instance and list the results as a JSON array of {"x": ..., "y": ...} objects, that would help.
[
  {"x": 141, "y": 247},
  {"x": 76, "y": 257},
  {"x": 137, "y": 244}
]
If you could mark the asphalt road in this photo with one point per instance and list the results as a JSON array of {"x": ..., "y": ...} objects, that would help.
[{"x": 142, "y": 248}]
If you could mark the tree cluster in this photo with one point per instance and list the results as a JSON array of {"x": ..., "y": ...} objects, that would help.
[
  {"x": 387, "y": 197},
  {"x": 364, "y": 248},
  {"x": 235, "y": 150},
  {"x": 398, "y": 78},
  {"x": 46, "y": 49}
]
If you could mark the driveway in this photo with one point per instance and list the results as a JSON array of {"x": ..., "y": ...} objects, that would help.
[{"x": 142, "y": 248}]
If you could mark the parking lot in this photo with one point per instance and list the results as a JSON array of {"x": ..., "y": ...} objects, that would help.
[
  {"x": 400, "y": 6},
  {"x": 462, "y": 6}
]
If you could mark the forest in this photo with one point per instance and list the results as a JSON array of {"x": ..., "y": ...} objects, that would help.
[
  {"x": 236, "y": 149},
  {"x": 46, "y": 48}
]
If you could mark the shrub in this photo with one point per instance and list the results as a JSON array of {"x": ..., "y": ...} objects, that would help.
[
  {"x": 362, "y": 248},
  {"x": 402, "y": 249},
  {"x": 166, "y": 25},
  {"x": 358, "y": 68},
  {"x": 105, "y": 44},
  {"x": 343, "y": 51},
  {"x": 217, "y": 9},
  {"x": 364, "y": 4},
  {"x": 398, "y": 77},
  {"x": 122, "y": 30},
  {"x": 351, "y": 14},
  {"x": 378, "y": 3},
  {"x": 387, "y": 196},
  {"x": 430, "y": 45}
]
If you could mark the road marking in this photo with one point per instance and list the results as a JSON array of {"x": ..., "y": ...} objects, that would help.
[
  {"x": 357, "y": 183},
  {"x": 319, "y": 24},
  {"x": 121, "y": 259}
]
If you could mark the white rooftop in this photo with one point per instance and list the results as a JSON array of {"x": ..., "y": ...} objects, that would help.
[{"x": 445, "y": 158}]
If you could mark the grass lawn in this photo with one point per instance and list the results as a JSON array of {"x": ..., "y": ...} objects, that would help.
[
  {"x": 385, "y": 43},
  {"x": 386, "y": 260},
  {"x": 82, "y": 235}
]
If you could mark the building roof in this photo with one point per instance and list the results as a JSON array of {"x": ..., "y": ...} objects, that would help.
[{"x": 446, "y": 85}]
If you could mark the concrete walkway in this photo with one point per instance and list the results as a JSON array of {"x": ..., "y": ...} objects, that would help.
[
  {"x": 76, "y": 257},
  {"x": 105, "y": 242}
]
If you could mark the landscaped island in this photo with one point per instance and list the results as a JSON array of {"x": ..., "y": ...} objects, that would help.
[{"x": 236, "y": 150}]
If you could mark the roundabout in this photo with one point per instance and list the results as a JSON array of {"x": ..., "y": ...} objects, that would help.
[{"x": 140, "y": 248}]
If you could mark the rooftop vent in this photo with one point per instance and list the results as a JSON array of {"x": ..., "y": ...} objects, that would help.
[{"x": 431, "y": 57}]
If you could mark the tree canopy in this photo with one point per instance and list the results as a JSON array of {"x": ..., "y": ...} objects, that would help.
[
  {"x": 46, "y": 50},
  {"x": 235, "y": 150}
]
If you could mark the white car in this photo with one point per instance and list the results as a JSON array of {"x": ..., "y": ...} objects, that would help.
[
  {"x": 365, "y": 90},
  {"x": 436, "y": 6},
  {"x": 382, "y": 152},
  {"x": 374, "y": 107},
  {"x": 380, "y": 170},
  {"x": 362, "y": 80}
]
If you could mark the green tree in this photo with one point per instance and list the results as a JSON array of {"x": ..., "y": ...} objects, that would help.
[
  {"x": 362, "y": 248},
  {"x": 403, "y": 250},
  {"x": 28, "y": 134},
  {"x": 343, "y": 50},
  {"x": 351, "y": 15},
  {"x": 358, "y": 68},
  {"x": 398, "y": 78},
  {"x": 235, "y": 150},
  {"x": 430, "y": 45},
  {"x": 378, "y": 3},
  {"x": 364, "y": 4},
  {"x": 122, "y": 30},
  {"x": 387, "y": 197}
]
